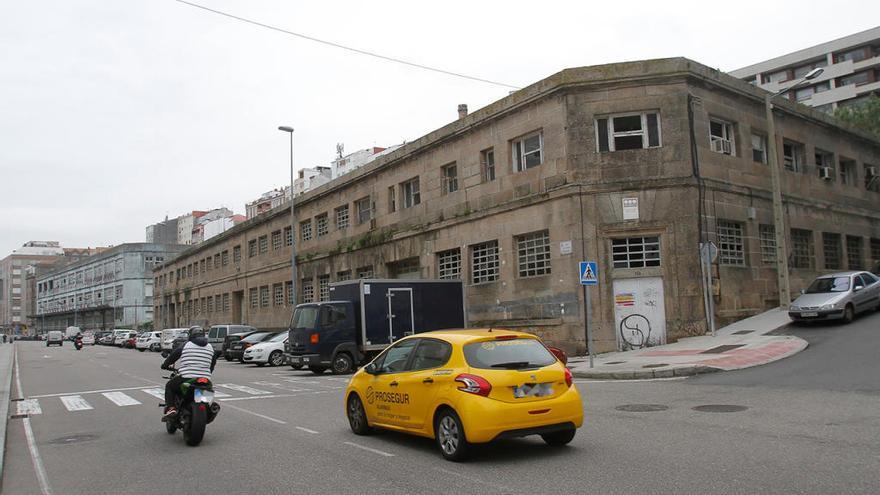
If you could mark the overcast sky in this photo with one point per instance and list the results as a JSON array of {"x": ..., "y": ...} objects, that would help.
[{"x": 116, "y": 113}]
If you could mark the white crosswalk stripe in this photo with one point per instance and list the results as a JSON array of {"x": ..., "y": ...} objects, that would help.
[
  {"x": 121, "y": 399},
  {"x": 155, "y": 392},
  {"x": 30, "y": 407},
  {"x": 75, "y": 403},
  {"x": 243, "y": 388}
]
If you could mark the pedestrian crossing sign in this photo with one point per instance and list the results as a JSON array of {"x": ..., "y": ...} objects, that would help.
[{"x": 589, "y": 273}]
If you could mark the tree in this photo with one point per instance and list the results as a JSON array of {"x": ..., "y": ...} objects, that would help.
[{"x": 865, "y": 116}]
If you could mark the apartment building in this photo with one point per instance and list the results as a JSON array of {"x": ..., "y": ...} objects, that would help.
[
  {"x": 851, "y": 72},
  {"x": 632, "y": 165},
  {"x": 13, "y": 272},
  {"x": 164, "y": 232}
]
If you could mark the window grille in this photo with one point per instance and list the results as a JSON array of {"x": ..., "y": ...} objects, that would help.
[
  {"x": 767, "y": 234},
  {"x": 533, "y": 254},
  {"x": 484, "y": 262},
  {"x": 636, "y": 252},
  {"x": 730, "y": 243},
  {"x": 449, "y": 264}
]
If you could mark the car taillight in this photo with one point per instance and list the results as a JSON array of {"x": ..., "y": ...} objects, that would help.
[
  {"x": 313, "y": 338},
  {"x": 474, "y": 384},
  {"x": 568, "y": 377}
]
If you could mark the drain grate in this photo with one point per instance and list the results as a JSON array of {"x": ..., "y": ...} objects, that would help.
[
  {"x": 722, "y": 348},
  {"x": 642, "y": 407},
  {"x": 654, "y": 365},
  {"x": 743, "y": 332},
  {"x": 615, "y": 362},
  {"x": 18, "y": 416},
  {"x": 720, "y": 408},
  {"x": 16, "y": 400}
]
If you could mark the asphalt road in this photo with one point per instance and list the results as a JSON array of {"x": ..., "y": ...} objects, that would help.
[{"x": 295, "y": 439}]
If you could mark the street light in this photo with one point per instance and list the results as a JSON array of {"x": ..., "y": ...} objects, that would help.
[
  {"x": 778, "y": 216},
  {"x": 289, "y": 130}
]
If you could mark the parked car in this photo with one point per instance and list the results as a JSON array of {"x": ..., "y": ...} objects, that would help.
[
  {"x": 55, "y": 337},
  {"x": 231, "y": 339},
  {"x": 236, "y": 350},
  {"x": 168, "y": 336},
  {"x": 180, "y": 340},
  {"x": 149, "y": 340},
  {"x": 100, "y": 335},
  {"x": 130, "y": 341},
  {"x": 269, "y": 352},
  {"x": 119, "y": 337},
  {"x": 837, "y": 296},
  {"x": 106, "y": 339},
  {"x": 88, "y": 338},
  {"x": 217, "y": 334}
]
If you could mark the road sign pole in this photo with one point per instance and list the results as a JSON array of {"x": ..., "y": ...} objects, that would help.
[{"x": 587, "y": 328}]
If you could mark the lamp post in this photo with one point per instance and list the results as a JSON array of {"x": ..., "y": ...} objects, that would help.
[
  {"x": 289, "y": 130},
  {"x": 778, "y": 214}
]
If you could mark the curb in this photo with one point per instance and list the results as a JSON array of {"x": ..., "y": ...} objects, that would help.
[
  {"x": 4, "y": 411},
  {"x": 686, "y": 370}
]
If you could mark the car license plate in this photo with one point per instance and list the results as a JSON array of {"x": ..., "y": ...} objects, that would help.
[
  {"x": 295, "y": 360},
  {"x": 810, "y": 314},
  {"x": 533, "y": 390}
]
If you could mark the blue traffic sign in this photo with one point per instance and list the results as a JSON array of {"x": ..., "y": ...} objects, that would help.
[{"x": 589, "y": 273}]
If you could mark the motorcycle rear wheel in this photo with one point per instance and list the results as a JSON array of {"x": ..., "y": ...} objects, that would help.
[{"x": 194, "y": 429}]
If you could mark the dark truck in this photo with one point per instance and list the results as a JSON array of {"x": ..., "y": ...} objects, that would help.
[{"x": 363, "y": 317}]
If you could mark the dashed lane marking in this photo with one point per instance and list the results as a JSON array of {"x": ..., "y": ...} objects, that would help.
[
  {"x": 269, "y": 418},
  {"x": 313, "y": 432},
  {"x": 120, "y": 399},
  {"x": 75, "y": 403},
  {"x": 29, "y": 407},
  {"x": 368, "y": 449}
]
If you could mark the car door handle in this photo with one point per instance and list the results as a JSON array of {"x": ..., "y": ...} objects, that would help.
[
  {"x": 392, "y": 384},
  {"x": 428, "y": 380}
]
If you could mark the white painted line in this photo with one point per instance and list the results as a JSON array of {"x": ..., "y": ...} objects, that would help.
[
  {"x": 368, "y": 449},
  {"x": 257, "y": 414},
  {"x": 120, "y": 399},
  {"x": 220, "y": 394},
  {"x": 296, "y": 380},
  {"x": 256, "y": 397},
  {"x": 639, "y": 380},
  {"x": 42, "y": 477},
  {"x": 87, "y": 392},
  {"x": 267, "y": 384},
  {"x": 75, "y": 403},
  {"x": 155, "y": 392},
  {"x": 29, "y": 406},
  {"x": 244, "y": 388},
  {"x": 313, "y": 432}
]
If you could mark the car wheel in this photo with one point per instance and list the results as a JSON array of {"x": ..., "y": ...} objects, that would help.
[
  {"x": 141, "y": 349},
  {"x": 276, "y": 358},
  {"x": 343, "y": 364},
  {"x": 318, "y": 370},
  {"x": 227, "y": 357},
  {"x": 357, "y": 417},
  {"x": 450, "y": 437},
  {"x": 296, "y": 366},
  {"x": 165, "y": 354},
  {"x": 849, "y": 314},
  {"x": 559, "y": 438}
]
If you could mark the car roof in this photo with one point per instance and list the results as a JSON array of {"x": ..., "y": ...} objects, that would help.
[
  {"x": 842, "y": 274},
  {"x": 465, "y": 335}
]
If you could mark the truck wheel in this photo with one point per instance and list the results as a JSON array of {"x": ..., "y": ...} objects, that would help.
[
  {"x": 357, "y": 417},
  {"x": 318, "y": 370},
  {"x": 343, "y": 364}
]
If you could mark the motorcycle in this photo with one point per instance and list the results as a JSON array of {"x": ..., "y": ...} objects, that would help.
[
  {"x": 78, "y": 343},
  {"x": 195, "y": 409}
]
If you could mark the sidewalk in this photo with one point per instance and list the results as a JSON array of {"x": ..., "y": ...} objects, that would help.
[
  {"x": 7, "y": 351},
  {"x": 743, "y": 344}
]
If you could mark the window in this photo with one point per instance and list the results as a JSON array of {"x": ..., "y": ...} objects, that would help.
[
  {"x": 252, "y": 248},
  {"x": 365, "y": 272},
  {"x": 767, "y": 234},
  {"x": 264, "y": 296},
  {"x": 730, "y": 243},
  {"x": 410, "y": 193},
  {"x": 449, "y": 175},
  {"x": 342, "y": 217},
  {"x": 528, "y": 152},
  {"x": 189, "y": 271},
  {"x": 305, "y": 231},
  {"x": 636, "y": 252},
  {"x": 801, "y": 248},
  {"x": 484, "y": 262},
  {"x": 430, "y": 353},
  {"x": 278, "y": 294},
  {"x": 224, "y": 258},
  {"x": 854, "y": 253},
  {"x": 759, "y": 148},
  {"x": 487, "y": 165},
  {"x": 344, "y": 275},
  {"x": 324, "y": 287},
  {"x": 875, "y": 250},
  {"x": 847, "y": 172},
  {"x": 855, "y": 55},
  {"x": 407, "y": 268},
  {"x": 288, "y": 238},
  {"x": 210, "y": 304},
  {"x": 628, "y": 132},
  {"x": 824, "y": 159},
  {"x": 254, "y": 298},
  {"x": 392, "y": 199},
  {"x": 793, "y": 156},
  {"x": 202, "y": 267},
  {"x": 308, "y": 290},
  {"x": 831, "y": 250},
  {"x": 364, "y": 208},
  {"x": 872, "y": 179},
  {"x": 236, "y": 254},
  {"x": 449, "y": 264},
  {"x": 395, "y": 358},
  {"x": 721, "y": 137},
  {"x": 226, "y": 302},
  {"x": 533, "y": 254},
  {"x": 263, "y": 242},
  {"x": 857, "y": 79},
  {"x": 321, "y": 225},
  {"x": 276, "y": 240},
  {"x": 288, "y": 291}
]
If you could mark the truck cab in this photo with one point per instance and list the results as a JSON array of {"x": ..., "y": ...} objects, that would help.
[{"x": 323, "y": 335}]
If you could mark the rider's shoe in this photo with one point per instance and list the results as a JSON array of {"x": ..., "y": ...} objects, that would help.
[{"x": 170, "y": 413}]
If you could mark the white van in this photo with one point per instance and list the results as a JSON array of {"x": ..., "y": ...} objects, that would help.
[
  {"x": 71, "y": 332},
  {"x": 168, "y": 336},
  {"x": 55, "y": 337}
]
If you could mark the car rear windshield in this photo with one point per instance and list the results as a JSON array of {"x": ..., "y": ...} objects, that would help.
[
  {"x": 278, "y": 337},
  {"x": 255, "y": 337},
  {"x": 830, "y": 284},
  {"x": 508, "y": 354}
]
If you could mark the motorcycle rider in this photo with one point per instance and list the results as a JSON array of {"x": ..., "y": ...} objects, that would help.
[
  {"x": 78, "y": 340},
  {"x": 197, "y": 360}
]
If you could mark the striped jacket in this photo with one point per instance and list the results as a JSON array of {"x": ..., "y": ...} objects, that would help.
[{"x": 196, "y": 361}]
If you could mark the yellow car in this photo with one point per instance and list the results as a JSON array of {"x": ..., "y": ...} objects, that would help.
[{"x": 466, "y": 386}]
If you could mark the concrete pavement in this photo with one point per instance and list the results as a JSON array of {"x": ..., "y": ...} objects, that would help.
[
  {"x": 7, "y": 353},
  {"x": 744, "y": 344}
]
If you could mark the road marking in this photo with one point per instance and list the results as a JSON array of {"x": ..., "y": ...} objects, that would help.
[
  {"x": 88, "y": 392},
  {"x": 297, "y": 380},
  {"x": 75, "y": 403},
  {"x": 306, "y": 430},
  {"x": 29, "y": 406},
  {"x": 155, "y": 392},
  {"x": 368, "y": 449},
  {"x": 42, "y": 477},
  {"x": 639, "y": 380},
  {"x": 244, "y": 388},
  {"x": 257, "y": 397},
  {"x": 120, "y": 399},
  {"x": 220, "y": 394},
  {"x": 257, "y": 414}
]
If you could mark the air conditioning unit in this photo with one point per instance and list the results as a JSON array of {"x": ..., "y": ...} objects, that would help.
[
  {"x": 826, "y": 173},
  {"x": 871, "y": 171},
  {"x": 720, "y": 145}
]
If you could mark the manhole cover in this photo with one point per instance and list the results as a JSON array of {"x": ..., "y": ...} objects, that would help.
[
  {"x": 720, "y": 408},
  {"x": 743, "y": 332},
  {"x": 642, "y": 407},
  {"x": 73, "y": 439},
  {"x": 654, "y": 365},
  {"x": 722, "y": 348},
  {"x": 615, "y": 362}
]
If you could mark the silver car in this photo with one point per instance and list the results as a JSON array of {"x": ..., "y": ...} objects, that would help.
[{"x": 837, "y": 296}]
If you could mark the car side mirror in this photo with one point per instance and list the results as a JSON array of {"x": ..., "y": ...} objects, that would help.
[
  {"x": 803, "y": 291},
  {"x": 858, "y": 288},
  {"x": 370, "y": 369}
]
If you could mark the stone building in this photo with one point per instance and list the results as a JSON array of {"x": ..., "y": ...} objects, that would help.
[{"x": 630, "y": 164}]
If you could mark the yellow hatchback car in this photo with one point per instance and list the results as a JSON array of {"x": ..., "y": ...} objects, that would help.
[{"x": 466, "y": 386}]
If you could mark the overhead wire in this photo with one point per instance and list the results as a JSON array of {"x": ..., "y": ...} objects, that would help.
[{"x": 345, "y": 47}]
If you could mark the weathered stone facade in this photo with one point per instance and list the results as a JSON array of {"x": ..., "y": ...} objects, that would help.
[{"x": 565, "y": 205}]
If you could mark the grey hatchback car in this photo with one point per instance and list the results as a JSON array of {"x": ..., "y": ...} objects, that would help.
[{"x": 837, "y": 296}]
